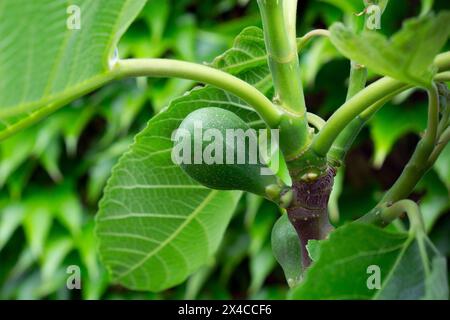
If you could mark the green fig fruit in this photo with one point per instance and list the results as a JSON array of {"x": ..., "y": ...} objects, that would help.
[{"x": 220, "y": 151}]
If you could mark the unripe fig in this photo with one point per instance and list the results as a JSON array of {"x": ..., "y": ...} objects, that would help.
[
  {"x": 286, "y": 249},
  {"x": 223, "y": 153}
]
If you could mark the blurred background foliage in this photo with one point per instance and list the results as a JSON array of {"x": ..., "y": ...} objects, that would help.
[{"x": 52, "y": 175}]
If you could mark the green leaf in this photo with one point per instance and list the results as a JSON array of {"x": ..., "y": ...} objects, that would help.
[
  {"x": 407, "y": 56},
  {"x": 62, "y": 63},
  {"x": 54, "y": 253},
  {"x": 248, "y": 59},
  {"x": 436, "y": 286},
  {"x": 253, "y": 203},
  {"x": 156, "y": 244},
  {"x": 248, "y": 52},
  {"x": 37, "y": 223},
  {"x": 234, "y": 249},
  {"x": 261, "y": 264},
  {"x": 346, "y": 262},
  {"x": 77, "y": 120},
  {"x": 67, "y": 207},
  {"x": 86, "y": 245},
  {"x": 101, "y": 166},
  {"x": 146, "y": 182},
  {"x": 197, "y": 281},
  {"x": 24, "y": 261},
  {"x": 122, "y": 105},
  {"x": 406, "y": 278},
  {"x": 391, "y": 123},
  {"x": 156, "y": 14},
  {"x": 262, "y": 226},
  {"x": 14, "y": 152},
  {"x": 41, "y": 142},
  {"x": 156, "y": 226},
  {"x": 49, "y": 161},
  {"x": 261, "y": 258},
  {"x": 10, "y": 219}
]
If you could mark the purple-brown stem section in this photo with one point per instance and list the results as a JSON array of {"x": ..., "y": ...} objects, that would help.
[{"x": 308, "y": 212}]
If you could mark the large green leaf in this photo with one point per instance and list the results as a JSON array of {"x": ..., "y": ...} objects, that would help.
[
  {"x": 44, "y": 64},
  {"x": 342, "y": 268},
  {"x": 249, "y": 54},
  {"x": 407, "y": 56},
  {"x": 248, "y": 59},
  {"x": 156, "y": 225}
]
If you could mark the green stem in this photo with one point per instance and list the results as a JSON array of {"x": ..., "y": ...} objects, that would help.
[
  {"x": 389, "y": 213},
  {"x": 444, "y": 123},
  {"x": 192, "y": 71},
  {"x": 345, "y": 140},
  {"x": 360, "y": 102},
  {"x": 279, "y": 23},
  {"x": 367, "y": 114},
  {"x": 350, "y": 110},
  {"x": 303, "y": 41},
  {"x": 278, "y": 17},
  {"x": 417, "y": 229},
  {"x": 441, "y": 144},
  {"x": 418, "y": 164},
  {"x": 316, "y": 121},
  {"x": 339, "y": 149},
  {"x": 443, "y": 77},
  {"x": 442, "y": 61},
  {"x": 357, "y": 81},
  {"x": 426, "y": 153}
]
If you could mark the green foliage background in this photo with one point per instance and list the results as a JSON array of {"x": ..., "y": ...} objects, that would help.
[{"x": 52, "y": 174}]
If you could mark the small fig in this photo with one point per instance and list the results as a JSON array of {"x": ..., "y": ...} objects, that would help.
[
  {"x": 222, "y": 153},
  {"x": 286, "y": 249}
]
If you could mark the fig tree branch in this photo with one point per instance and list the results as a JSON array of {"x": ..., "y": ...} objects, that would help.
[{"x": 279, "y": 25}]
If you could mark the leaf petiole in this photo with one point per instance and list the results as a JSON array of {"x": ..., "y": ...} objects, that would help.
[
  {"x": 204, "y": 74},
  {"x": 303, "y": 41}
]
